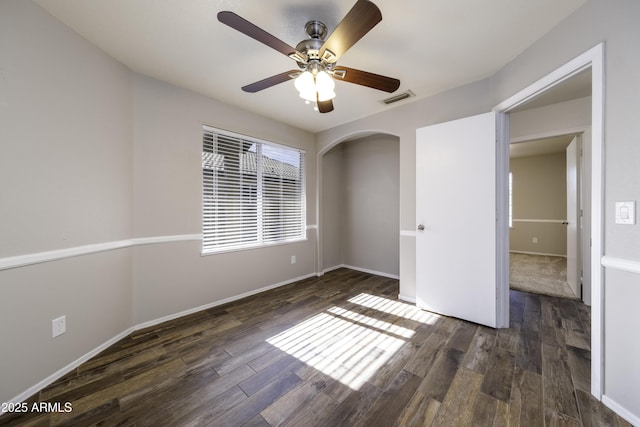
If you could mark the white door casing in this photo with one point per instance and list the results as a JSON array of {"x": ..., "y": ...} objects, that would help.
[{"x": 573, "y": 276}]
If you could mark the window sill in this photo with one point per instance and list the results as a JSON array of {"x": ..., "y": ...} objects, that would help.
[{"x": 250, "y": 247}]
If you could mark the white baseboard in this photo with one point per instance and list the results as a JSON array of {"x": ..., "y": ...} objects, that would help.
[
  {"x": 217, "y": 303},
  {"x": 620, "y": 410},
  {"x": 82, "y": 359},
  {"x": 405, "y": 298},
  {"x": 537, "y": 253},
  {"x": 335, "y": 267},
  {"x": 366, "y": 270},
  {"x": 73, "y": 365}
]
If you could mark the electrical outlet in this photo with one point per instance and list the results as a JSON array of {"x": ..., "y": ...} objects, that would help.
[
  {"x": 293, "y": 259},
  {"x": 58, "y": 326},
  {"x": 534, "y": 240}
]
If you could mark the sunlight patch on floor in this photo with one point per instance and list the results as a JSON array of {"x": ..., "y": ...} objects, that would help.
[
  {"x": 396, "y": 308},
  {"x": 350, "y": 346}
]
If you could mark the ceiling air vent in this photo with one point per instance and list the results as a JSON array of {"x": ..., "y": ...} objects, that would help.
[{"x": 399, "y": 97}]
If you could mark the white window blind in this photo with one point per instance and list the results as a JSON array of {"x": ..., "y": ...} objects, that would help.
[{"x": 253, "y": 192}]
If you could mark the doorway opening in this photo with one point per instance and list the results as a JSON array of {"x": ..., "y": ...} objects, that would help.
[
  {"x": 540, "y": 92},
  {"x": 546, "y": 234}
]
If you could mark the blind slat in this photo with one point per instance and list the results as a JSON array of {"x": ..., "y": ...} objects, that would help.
[{"x": 253, "y": 192}]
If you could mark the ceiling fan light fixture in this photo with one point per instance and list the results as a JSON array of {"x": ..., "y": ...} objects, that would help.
[
  {"x": 324, "y": 82},
  {"x": 308, "y": 96},
  {"x": 305, "y": 83},
  {"x": 318, "y": 88},
  {"x": 318, "y": 55}
]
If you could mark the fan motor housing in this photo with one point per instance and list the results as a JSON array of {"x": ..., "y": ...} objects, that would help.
[{"x": 316, "y": 30}]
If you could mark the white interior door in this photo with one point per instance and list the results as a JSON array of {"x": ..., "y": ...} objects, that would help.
[
  {"x": 456, "y": 215},
  {"x": 572, "y": 217}
]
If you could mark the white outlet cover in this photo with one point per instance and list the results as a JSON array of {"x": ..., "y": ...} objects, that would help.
[
  {"x": 58, "y": 326},
  {"x": 626, "y": 212}
]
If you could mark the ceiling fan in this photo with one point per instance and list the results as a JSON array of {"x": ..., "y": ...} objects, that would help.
[{"x": 316, "y": 57}]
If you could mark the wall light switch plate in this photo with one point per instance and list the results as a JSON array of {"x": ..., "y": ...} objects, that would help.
[{"x": 626, "y": 212}]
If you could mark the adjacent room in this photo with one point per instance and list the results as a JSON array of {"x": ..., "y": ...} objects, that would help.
[
  {"x": 538, "y": 234},
  {"x": 304, "y": 213}
]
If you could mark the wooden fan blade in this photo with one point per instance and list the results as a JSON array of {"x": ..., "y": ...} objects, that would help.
[
  {"x": 325, "y": 106},
  {"x": 270, "y": 81},
  {"x": 239, "y": 23},
  {"x": 365, "y": 78},
  {"x": 362, "y": 17}
]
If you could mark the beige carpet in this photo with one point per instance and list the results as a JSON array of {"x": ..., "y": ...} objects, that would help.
[{"x": 539, "y": 274}]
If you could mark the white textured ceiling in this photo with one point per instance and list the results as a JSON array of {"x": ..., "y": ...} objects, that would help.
[
  {"x": 538, "y": 147},
  {"x": 430, "y": 45}
]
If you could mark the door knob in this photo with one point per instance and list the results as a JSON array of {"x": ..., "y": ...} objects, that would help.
[{"x": 421, "y": 227}]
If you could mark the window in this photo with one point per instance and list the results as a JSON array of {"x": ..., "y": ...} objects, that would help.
[{"x": 253, "y": 192}]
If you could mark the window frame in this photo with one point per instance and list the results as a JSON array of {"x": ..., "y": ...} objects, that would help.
[{"x": 261, "y": 218}]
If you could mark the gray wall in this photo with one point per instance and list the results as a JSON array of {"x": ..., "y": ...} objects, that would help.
[
  {"x": 65, "y": 179},
  {"x": 93, "y": 155},
  {"x": 539, "y": 193},
  {"x": 167, "y": 197},
  {"x": 333, "y": 207},
  {"x": 360, "y": 202}
]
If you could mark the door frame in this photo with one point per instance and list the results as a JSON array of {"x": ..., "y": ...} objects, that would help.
[{"x": 594, "y": 59}]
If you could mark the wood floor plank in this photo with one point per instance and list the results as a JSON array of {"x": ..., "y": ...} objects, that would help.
[
  {"x": 485, "y": 410},
  {"x": 529, "y": 355},
  {"x": 457, "y": 406},
  {"x": 393, "y": 400},
  {"x": 555, "y": 419},
  {"x": 479, "y": 353},
  {"x": 462, "y": 336},
  {"x": 280, "y": 368},
  {"x": 502, "y": 414},
  {"x": 207, "y": 411},
  {"x": 558, "y": 389},
  {"x": 437, "y": 382},
  {"x": 313, "y": 413},
  {"x": 551, "y": 313},
  {"x": 249, "y": 408},
  {"x": 509, "y": 339},
  {"x": 354, "y": 407},
  {"x": 498, "y": 380},
  {"x": 580, "y": 366},
  {"x": 420, "y": 411},
  {"x": 338, "y": 350},
  {"x": 299, "y": 396},
  {"x": 172, "y": 404},
  {"x": 424, "y": 357},
  {"x": 153, "y": 379},
  {"x": 526, "y": 402},
  {"x": 575, "y": 335}
]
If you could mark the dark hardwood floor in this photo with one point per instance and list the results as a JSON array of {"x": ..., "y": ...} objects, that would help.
[{"x": 339, "y": 350}]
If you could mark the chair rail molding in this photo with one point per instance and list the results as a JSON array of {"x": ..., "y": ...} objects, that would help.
[{"x": 57, "y": 254}]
